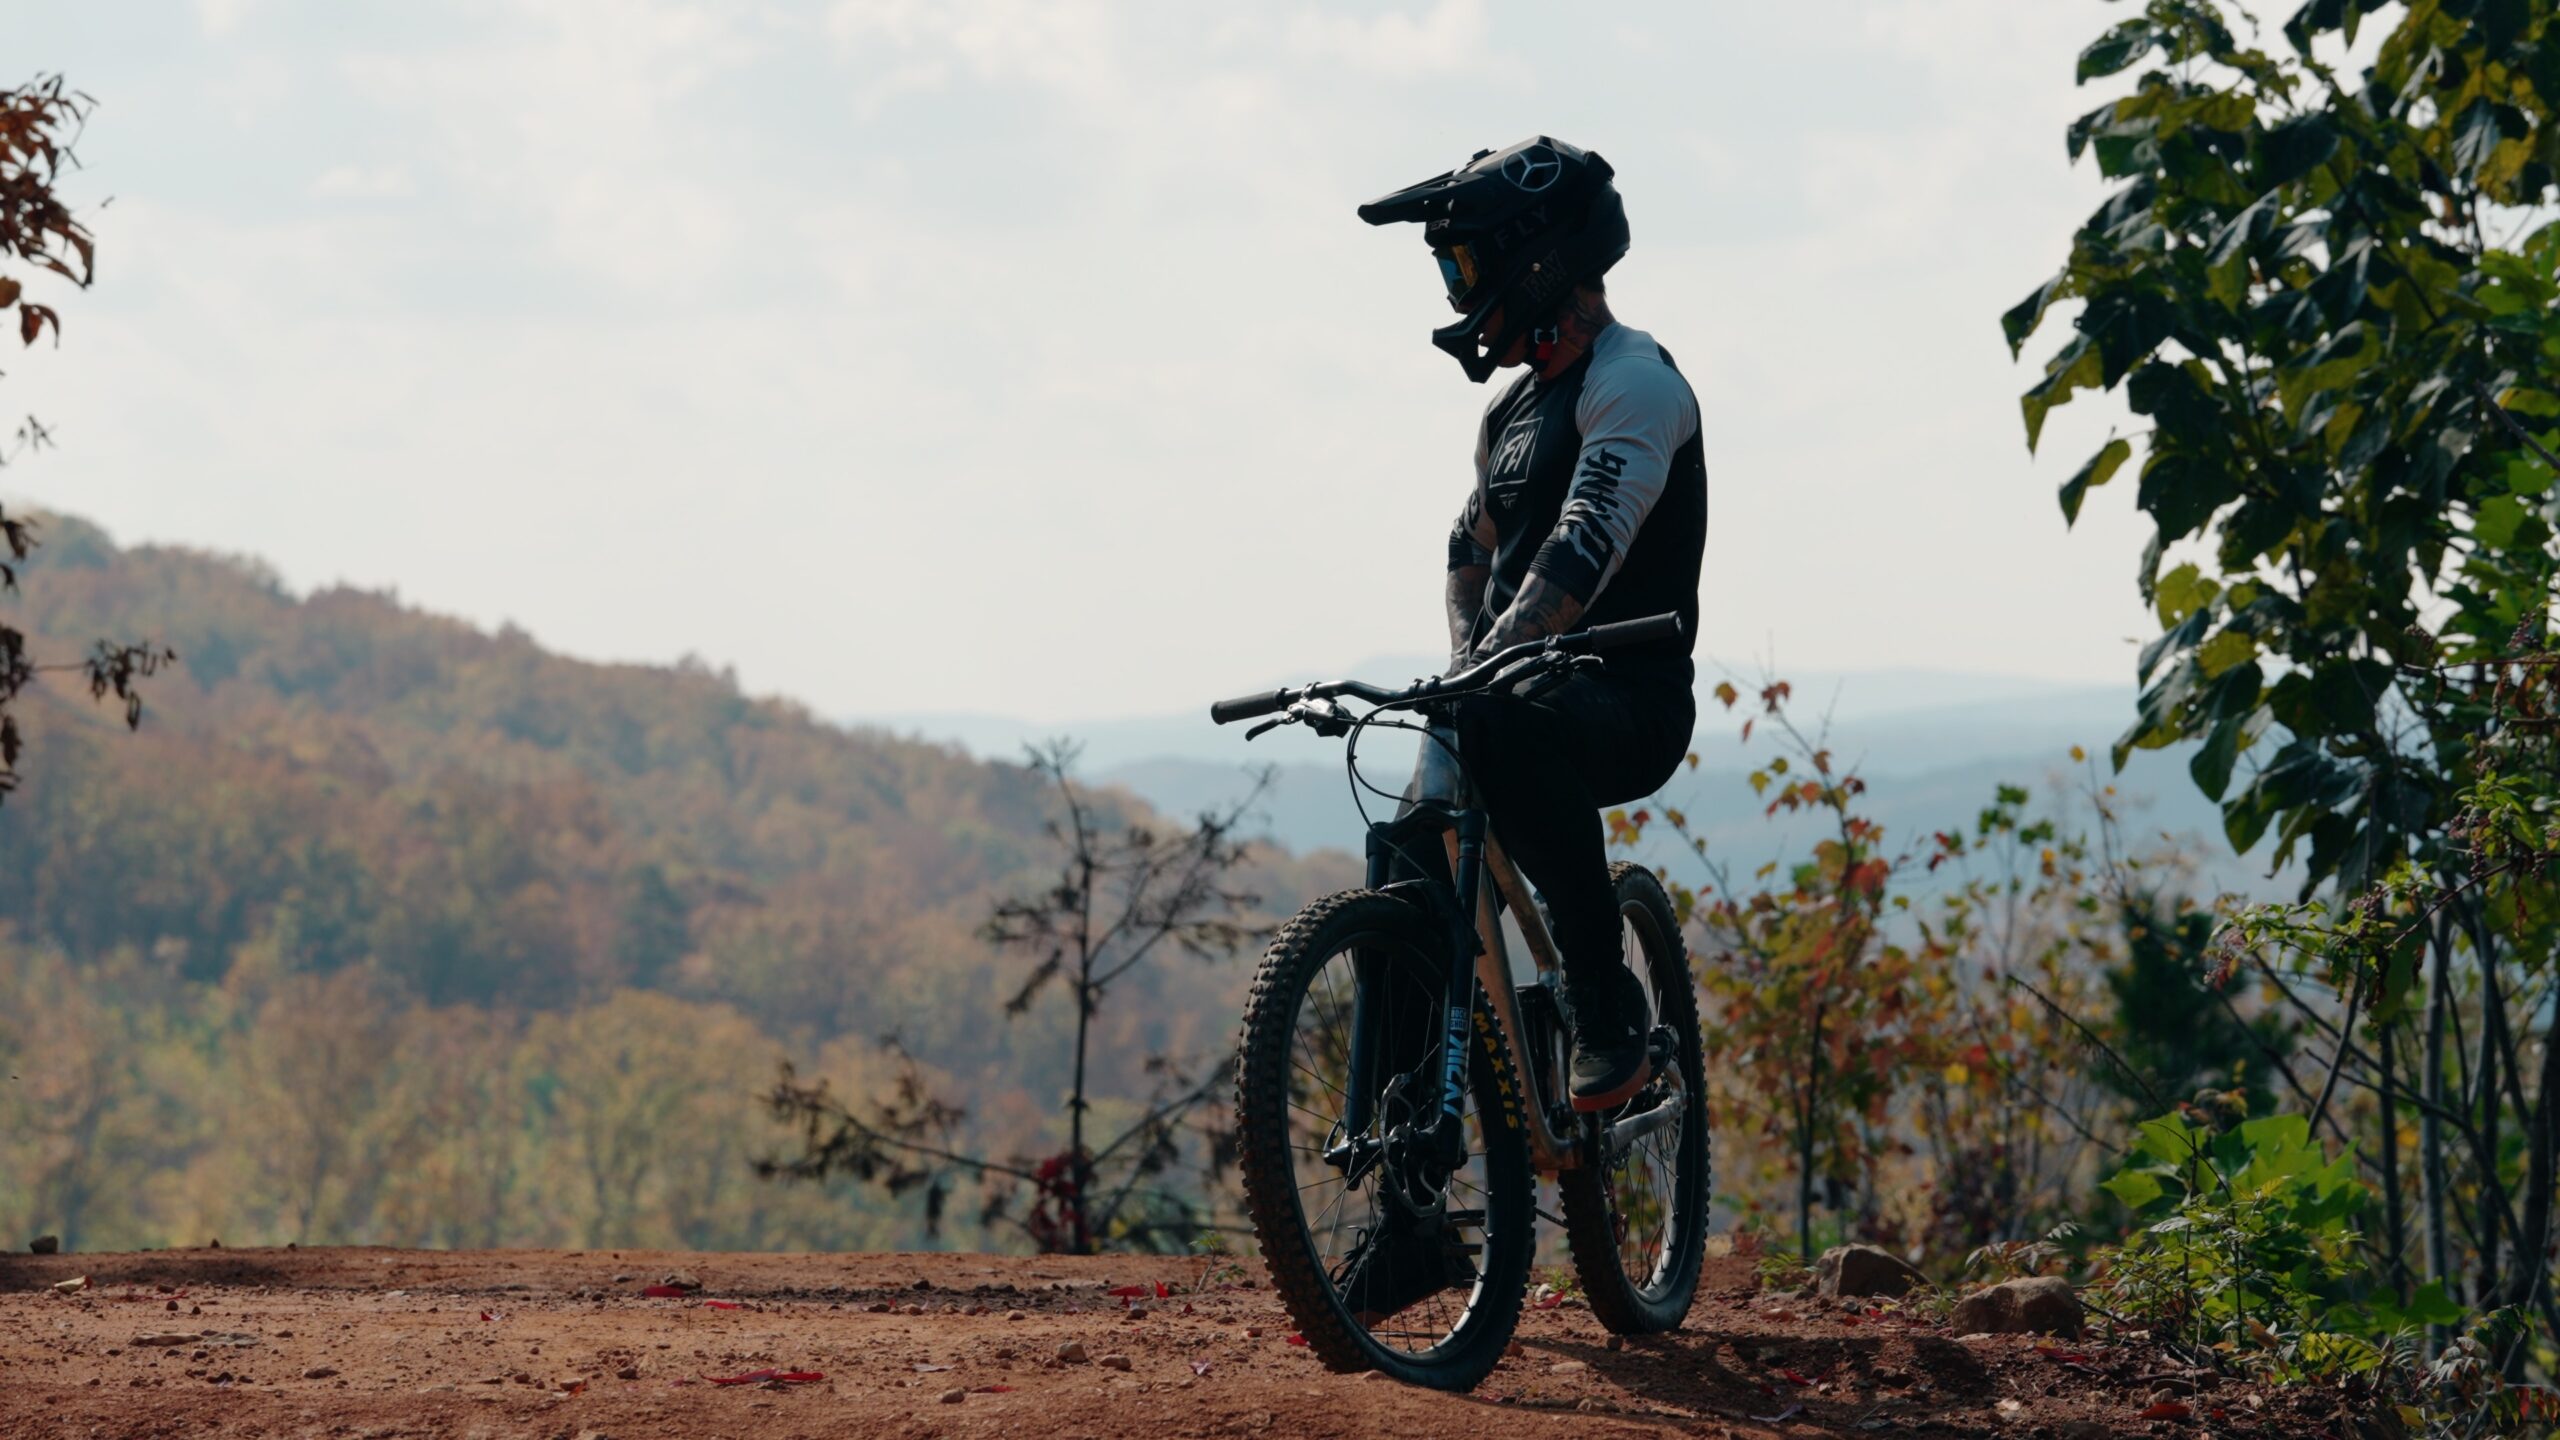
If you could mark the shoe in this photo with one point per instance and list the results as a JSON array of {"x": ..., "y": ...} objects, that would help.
[
  {"x": 1394, "y": 1268},
  {"x": 1610, "y": 1022}
]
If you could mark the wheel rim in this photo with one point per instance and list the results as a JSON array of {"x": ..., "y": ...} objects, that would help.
[
  {"x": 1333, "y": 1211},
  {"x": 1644, "y": 1185}
]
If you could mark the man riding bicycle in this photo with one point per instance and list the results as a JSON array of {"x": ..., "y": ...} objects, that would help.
[{"x": 1589, "y": 507}]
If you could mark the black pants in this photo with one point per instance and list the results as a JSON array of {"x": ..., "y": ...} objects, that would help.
[{"x": 1546, "y": 767}]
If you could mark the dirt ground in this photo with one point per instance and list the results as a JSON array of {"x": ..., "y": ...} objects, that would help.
[{"x": 564, "y": 1346}]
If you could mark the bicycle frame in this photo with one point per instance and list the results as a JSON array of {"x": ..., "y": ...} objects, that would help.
[
  {"x": 1480, "y": 955},
  {"x": 1465, "y": 903}
]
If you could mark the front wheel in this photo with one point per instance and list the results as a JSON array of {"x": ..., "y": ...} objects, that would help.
[
  {"x": 1636, "y": 1220},
  {"x": 1391, "y": 1254}
]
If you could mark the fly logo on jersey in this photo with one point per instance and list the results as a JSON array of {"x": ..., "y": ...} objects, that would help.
[
  {"x": 1584, "y": 525},
  {"x": 1511, "y": 456}
]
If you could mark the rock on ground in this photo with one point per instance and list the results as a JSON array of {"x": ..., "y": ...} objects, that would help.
[
  {"x": 2040, "y": 1305},
  {"x": 1863, "y": 1270}
]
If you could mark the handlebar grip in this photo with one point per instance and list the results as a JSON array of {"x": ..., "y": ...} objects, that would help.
[
  {"x": 1627, "y": 632},
  {"x": 1245, "y": 707}
]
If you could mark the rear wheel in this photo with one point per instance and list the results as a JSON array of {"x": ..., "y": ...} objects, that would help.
[
  {"x": 1636, "y": 1221},
  {"x": 1318, "y": 1192}
]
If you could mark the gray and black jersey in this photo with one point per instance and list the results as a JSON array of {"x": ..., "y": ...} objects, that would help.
[{"x": 1597, "y": 481}]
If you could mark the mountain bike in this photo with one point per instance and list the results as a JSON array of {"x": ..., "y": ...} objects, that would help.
[{"x": 1397, "y": 1093}]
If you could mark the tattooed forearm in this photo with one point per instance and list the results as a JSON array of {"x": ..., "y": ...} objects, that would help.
[
  {"x": 1541, "y": 609},
  {"x": 1466, "y": 599}
]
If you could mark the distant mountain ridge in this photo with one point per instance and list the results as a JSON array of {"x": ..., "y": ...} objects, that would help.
[{"x": 1932, "y": 744}]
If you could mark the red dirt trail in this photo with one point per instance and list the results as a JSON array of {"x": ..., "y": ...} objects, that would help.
[{"x": 550, "y": 1345}]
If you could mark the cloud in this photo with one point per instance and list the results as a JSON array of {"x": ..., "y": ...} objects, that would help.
[
  {"x": 730, "y": 327},
  {"x": 363, "y": 182},
  {"x": 223, "y": 17},
  {"x": 1450, "y": 37}
]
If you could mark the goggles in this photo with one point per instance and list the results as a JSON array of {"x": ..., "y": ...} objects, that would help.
[{"x": 1458, "y": 271}]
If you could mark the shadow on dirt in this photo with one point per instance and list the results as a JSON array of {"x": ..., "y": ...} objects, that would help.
[{"x": 1739, "y": 1375}]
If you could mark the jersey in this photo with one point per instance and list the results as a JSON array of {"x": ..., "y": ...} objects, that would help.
[{"x": 1595, "y": 480}]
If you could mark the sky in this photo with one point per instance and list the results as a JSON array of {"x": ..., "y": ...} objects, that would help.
[{"x": 1025, "y": 356}]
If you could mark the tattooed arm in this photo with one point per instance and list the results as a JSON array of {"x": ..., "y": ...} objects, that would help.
[
  {"x": 1471, "y": 543},
  {"x": 1466, "y": 601},
  {"x": 1542, "y": 608}
]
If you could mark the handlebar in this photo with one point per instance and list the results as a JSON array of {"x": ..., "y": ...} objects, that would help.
[
  {"x": 1479, "y": 676},
  {"x": 1245, "y": 707}
]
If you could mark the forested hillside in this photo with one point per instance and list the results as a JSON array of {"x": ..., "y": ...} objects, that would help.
[{"x": 386, "y": 928}]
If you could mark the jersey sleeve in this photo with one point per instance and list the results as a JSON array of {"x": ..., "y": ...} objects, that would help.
[{"x": 1635, "y": 414}]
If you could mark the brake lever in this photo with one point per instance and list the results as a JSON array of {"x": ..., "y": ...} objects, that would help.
[
  {"x": 1326, "y": 718},
  {"x": 1267, "y": 726},
  {"x": 1554, "y": 675}
]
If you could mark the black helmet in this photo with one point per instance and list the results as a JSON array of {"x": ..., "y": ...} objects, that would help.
[{"x": 1517, "y": 228}]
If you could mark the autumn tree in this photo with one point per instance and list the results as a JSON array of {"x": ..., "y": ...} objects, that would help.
[
  {"x": 1126, "y": 895},
  {"x": 39, "y": 123}
]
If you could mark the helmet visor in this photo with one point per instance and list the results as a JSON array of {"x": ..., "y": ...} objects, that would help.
[{"x": 1458, "y": 271}]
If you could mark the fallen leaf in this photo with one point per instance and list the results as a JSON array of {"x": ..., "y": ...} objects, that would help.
[
  {"x": 1549, "y": 1303},
  {"x": 574, "y": 1387},
  {"x": 1126, "y": 1292},
  {"x": 1789, "y": 1413},
  {"x": 77, "y": 1282},
  {"x": 2169, "y": 1410},
  {"x": 931, "y": 1369},
  {"x": 990, "y": 1389},
  {"x": 719, "y": 1304},
  {"x": 1163, "y": 1291},
  {"x": 1297, "y": 1339},
  {"x": 664, "y": 1292},
  {"x": 761, "y": 1377},
  {"x": 491, "y": 1315},
  {"x": 1199, "y": 1366},
  {"x": 1792, "y": 1377}
]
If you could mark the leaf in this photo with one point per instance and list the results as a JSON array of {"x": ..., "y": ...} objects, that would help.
[
  {"x": 2100, "y": 469},
  {"x": 8, "y": 292},
  {"x": 2136, "y": 1188},
  {"x": 2496, "y": 522},
  {"x": 720, "y": 1305},
  {"x": 2246, "y": 229},
  {"x": 2021, "y": 320},
  {"x": 2079, "y": 367},
  {"x": 2211, "y": 766},
  {"x": 2287, "y": 152},
  {"x": 2476, "y": 133},
  {"x": 2112, "y": 52},
  {"x": 776, "y": 1377},
  {"x": 665, "y": 1292},
  {"x": 2181, "y": 593},
  {"x": 2169, "y": 1410},
  {"x": 2225, "y": 651}
]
